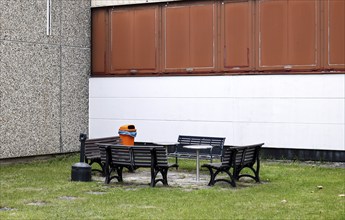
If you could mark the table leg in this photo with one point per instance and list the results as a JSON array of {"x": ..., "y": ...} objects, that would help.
[{"x": 197, "y": 165}]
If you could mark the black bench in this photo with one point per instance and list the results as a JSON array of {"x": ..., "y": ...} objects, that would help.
[
  {"x": 118, "y": 157},
  {"x": 236, "y": 158},
  {"x": 217, "y": 144},
  {"x": 92, "y": 153}
]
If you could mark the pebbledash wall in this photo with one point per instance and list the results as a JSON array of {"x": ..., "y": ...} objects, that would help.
[
  {"x": 297, "y": 116},
  {"x": 44, "y": 73}
]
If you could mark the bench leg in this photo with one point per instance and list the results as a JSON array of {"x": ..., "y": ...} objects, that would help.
[
  {"x": 164, "y": 173},
  {"x": 211, "y": 182},
  {"x": 153, "y": 178},
  {"x": 213, "y": 175},
  {"x": 255, "y": 176},
  {"x": 119, "y": 174},
  {"x": 231, "y": 181},
  {"x": 103, "y": 169},
  {"x": 107, "y": 175}
]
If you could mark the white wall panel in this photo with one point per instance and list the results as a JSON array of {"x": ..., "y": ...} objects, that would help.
[
  {"x": 286, "y": 135},
  {"x": 328, "y": 111},
  {"x": 294, "y": 111},
  {"x": 276, "y": 135},
  {"x": 290, "y": 110},
  {"x": 289, "y": 86},
  {"x": 166, "y": 87},
  {"x": 156, "y": 130},
  {"x": 178, "y": 109}
]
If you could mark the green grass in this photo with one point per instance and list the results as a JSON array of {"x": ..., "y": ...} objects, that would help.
[{"x": 289, "y": 191}]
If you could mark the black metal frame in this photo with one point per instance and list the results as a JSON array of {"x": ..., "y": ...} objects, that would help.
[
  {"x": 90, "y": 150},
  {"x": 236, "y": 158}
]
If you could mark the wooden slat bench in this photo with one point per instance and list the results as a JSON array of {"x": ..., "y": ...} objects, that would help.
[
  {"x": 217, "y": 144},
  {"x": 235, "y": 159},
  {"x": 118, "y": 157},
  {"x": 92, "y": 153},
  {"x": 115, "y": 158}
]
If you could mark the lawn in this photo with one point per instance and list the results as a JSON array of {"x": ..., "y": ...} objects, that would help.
[{"x": 290, "y": 190}]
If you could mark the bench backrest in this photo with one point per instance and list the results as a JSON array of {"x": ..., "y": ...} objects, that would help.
[
  {"x": 216, "y": 142},
  {"x": 120, "y": 155},
  {"x": 136, "y": 156},
  {"x": 92, "y": 149},
  {"x": 247, "y": 155},
  {"x": 228, "y": 155},
  {"x": 142, "y": 156},
  {"x": 161, "y": 156},
  {"x": 103, "y": 152}
]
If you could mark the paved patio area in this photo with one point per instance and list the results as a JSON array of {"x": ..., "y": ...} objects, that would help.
[
  {"x": 187, "y": 180},
  {"x": 176, "y": 179}
]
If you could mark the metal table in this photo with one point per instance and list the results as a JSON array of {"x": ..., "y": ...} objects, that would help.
[
  {"x": 197, "y": 148},
  {"x": 166, "y": 144}
]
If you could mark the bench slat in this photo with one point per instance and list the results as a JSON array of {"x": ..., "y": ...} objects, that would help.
[{"x": 142, "y": 156}]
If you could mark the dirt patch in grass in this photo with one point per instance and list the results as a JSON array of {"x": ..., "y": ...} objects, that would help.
[
  {"x": 38, "y": 203},
  {"x": 311, "y": 163},
  {"x": 96, "y": 193},
  {"x": 67, "y": 197},
  {"x": 6, "y": 209}
]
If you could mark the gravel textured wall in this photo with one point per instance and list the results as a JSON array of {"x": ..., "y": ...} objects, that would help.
[{"x": 43, "y": 79}]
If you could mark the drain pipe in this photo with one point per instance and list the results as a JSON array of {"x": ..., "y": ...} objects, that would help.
[{"x": 82, "y": 139}]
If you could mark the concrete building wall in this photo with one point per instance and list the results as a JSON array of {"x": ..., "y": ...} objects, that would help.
[{"x": 43, "y": 79}]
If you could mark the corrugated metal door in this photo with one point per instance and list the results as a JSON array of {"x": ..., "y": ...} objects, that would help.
[
  {"x": 99, "y": 41},
  {"x": 122, "y": 38},
  {"x": 236, "y": 36},
  {"x": 288, "y": 35},
  {"x": 189, "y": 37},
  {"x": 134, "y": 40},
  {"x": 334, "y": 20},
  {"x": 303, "y": 34},
  {"x": 273, "y": 45},
  {"x": 177, "y": 38},
  {"x": 202, "y": 36}
]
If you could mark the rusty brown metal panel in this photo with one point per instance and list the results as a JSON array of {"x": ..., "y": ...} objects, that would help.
[
  {"x": 189, "y": 37},
  {"x": 134, "y": 40},
  {"x": 303, "y": 34},
  {"x": 202, "y": 36},
  {"x": 176, "y": 37},
  {"x": 334, "y": 53},
  {"x": 145, "y": 39},
  {"x": 237, "y": 35},
  {"x": 99, "y": 44},
  {"x": 121, "y": 40},
  {"x": 289, "y": 35},
  {"x": 104, "y": 3},
  {"x": 273, "y": 48}
]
